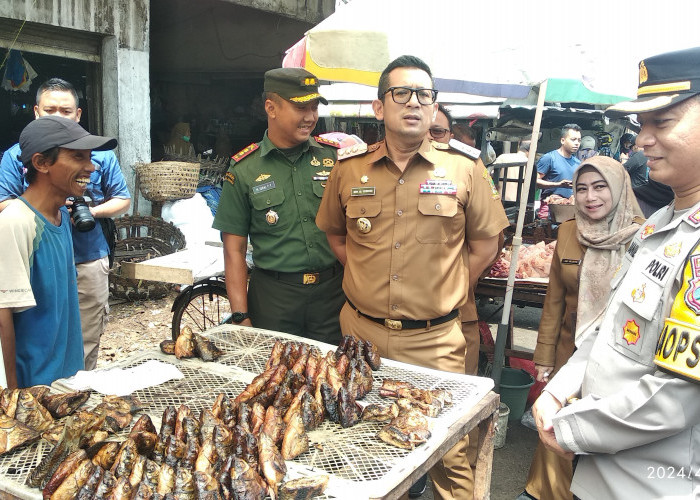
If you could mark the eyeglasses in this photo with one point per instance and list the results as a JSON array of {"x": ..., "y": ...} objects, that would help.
[
  {"x": 401, "y": 95},
  {"x": 438, "y": 132}
]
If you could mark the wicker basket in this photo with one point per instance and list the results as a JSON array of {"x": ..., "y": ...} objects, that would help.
[
  {"x": 167, "y": 180},
  {"x": 140, "y": 238},
  {"x": 211, "y": 170}
]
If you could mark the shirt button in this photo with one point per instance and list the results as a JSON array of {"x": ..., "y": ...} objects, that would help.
[
  {"x": 401, "y": 181},
  {"x": 305, "y": 219},
  {"x": 394, "y": 277},
  {"x": 399, "y": 213},
  {"x": 437, "y": 206},
  {"x": 294, "y": 169},
  {"x": 268, "y": 202},
  {"x": 394, "y": 307},
  {"x": 362, "y": 210},
  {"x": 311, "y": 245},
  {"x": 397, "y": 245},
  {"x": 298, "y": 193}
]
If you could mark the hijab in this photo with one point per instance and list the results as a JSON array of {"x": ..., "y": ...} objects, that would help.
[{"x": 605, "y": 240}]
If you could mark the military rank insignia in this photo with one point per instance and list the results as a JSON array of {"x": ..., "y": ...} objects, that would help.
[
  {"x": 229, "y": 178},
  {"x": 245, "y": 152},
  {"x": 647, "y": 231}
]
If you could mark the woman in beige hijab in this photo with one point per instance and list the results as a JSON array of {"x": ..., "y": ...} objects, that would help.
[{"x": 589, "y": 249}]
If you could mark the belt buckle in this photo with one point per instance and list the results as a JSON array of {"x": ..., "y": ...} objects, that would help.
[
  {"x": 310, "y": 278},
  {"x": 393, "y": 324}
]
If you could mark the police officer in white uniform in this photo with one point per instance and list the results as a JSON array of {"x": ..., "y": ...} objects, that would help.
[{"x": 628, "y": 401}]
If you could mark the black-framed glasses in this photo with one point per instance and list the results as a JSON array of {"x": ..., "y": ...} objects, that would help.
[
  {"x": 438, "y": 132},
  {"x": 401, "y": 95}
]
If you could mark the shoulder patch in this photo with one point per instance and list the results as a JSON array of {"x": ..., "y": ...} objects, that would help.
[
  {"x": 327, "y": 142},
  {"x": 245, "y": 152},
  {"x": 465, "y": 149},
  {"x": 355, "y": 150}
]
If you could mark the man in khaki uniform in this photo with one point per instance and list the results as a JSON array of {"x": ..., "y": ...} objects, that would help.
[{"x": 398, "y": 216}]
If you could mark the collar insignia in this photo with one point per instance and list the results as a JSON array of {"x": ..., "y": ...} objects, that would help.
[
  {"x": 648, "y": 230},
  {"x": 315, "y": 162}
]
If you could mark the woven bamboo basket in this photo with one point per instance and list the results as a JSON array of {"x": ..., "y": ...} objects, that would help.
[
  {"x": 140, "y": 238},
  {"x": 167, "y": 180},
  {"x": 211, "y": 170}
]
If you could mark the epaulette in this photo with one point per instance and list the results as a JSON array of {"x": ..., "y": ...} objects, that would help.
[
  {"x": 465, "y": 149},
  {"x": 327, "y": 142},
  {"x": 245, "y": 152},
  {"x": 356, "y": 150}
]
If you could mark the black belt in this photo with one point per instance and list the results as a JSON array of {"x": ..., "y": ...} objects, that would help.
[
  {"x": 305, "y": 278},
  {"x": 408, "y": 324}
]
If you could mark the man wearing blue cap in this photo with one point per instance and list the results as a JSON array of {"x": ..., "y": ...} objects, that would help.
[
  {"x": 628, "y": 400},
  {"x": 39, "y": 315}
]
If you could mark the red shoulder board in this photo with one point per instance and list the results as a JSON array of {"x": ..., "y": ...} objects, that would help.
[
  {"x": 245, "y": 152},
  {"x": 327, "y": 142}
]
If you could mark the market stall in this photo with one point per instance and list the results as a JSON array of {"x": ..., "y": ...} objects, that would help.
[{"x": 353, "y": 458}]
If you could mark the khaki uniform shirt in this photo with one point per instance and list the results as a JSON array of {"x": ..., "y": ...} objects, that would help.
[
  {"x": 641, "y": 425},
  {"x": 405, "y": 230},
  {"x": 274, "y": 200},
  {"x": 555, "y": 336}
]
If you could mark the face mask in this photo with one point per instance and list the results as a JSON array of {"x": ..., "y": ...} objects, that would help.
[{"x": 186, "y": 138}]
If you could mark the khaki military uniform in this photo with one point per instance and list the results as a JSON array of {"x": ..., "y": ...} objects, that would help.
[
  {"x": 273, "y": 197},
  {"x": 405, "y": 232},
  {"x": 637, "y": 427}
]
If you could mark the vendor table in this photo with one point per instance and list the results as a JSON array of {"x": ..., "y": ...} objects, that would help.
[
  {"x": 185, "y": 267},
  {"x": 354, "y": 458}
]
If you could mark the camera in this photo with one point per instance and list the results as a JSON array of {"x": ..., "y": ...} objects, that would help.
[{"x": 80, "y": 213}]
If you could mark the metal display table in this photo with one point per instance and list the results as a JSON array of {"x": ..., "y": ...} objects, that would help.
[{"x": 354, "y": 458}]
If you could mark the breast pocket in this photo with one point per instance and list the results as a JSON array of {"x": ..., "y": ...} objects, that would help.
[
  {"x": 319, "y": 187},
  {"x": 267, "y": 215},
  {"x": 437, "y": 218},
  {"x": 363, "y": 216}
]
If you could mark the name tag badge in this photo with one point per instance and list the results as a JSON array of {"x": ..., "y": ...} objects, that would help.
[
  {"x": 574, "y": 262},
  {"x": 658, "y": 270},
  {"x": 363, "y": 191},
  {"x": 261, "y": 188},
  {"x": 437, "y": 186}
]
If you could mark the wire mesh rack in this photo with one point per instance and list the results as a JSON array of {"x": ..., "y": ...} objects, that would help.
[{"x": 353, "y": 457}]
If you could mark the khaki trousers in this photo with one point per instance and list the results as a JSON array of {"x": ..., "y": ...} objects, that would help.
[
  {"x": 93, "y": 298},
  {"x": 550, "y": 475},
  {"x": 442, "y": 348}
]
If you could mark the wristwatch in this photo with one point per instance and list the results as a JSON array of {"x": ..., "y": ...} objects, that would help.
[{"x": 238, "y": 316}]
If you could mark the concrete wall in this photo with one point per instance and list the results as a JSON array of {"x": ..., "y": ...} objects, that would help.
[
  {"x": 312, "y": 11},
  {"x": 124, "y": 24}
]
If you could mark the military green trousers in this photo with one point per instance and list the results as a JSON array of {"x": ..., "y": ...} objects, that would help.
[{"x": 311, "y": 311}]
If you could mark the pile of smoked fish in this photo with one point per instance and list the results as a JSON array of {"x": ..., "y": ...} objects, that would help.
[
  {"x": 237, "y": 448},
  {"x": 190, "y": 345}
]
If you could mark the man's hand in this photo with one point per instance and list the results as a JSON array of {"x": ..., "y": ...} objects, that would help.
[
  {"x": 544, "y": 410},
  {"x": 567, "y": 183},
  {"x": 543, "y": 372}
]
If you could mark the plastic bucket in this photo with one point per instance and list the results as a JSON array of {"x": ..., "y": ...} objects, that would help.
[
  {"x": 515, "y": 384},
  {"x": 499, "y": 439}
]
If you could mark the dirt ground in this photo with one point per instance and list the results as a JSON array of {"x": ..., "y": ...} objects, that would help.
[{"x": 135, "y": 326}]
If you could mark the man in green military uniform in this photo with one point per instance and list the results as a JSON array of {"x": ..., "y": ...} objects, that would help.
[{"x": 272, "y": 193}]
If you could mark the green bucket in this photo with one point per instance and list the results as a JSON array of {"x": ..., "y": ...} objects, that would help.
[{"x": 515, "y": 386}]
